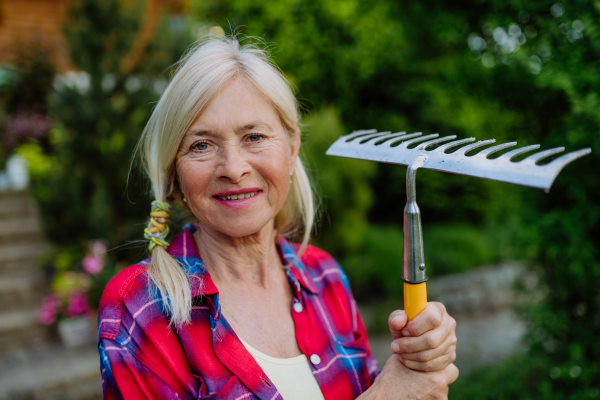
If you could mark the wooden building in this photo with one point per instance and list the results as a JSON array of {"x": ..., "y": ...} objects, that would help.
[{"x": 23, "y": 22}]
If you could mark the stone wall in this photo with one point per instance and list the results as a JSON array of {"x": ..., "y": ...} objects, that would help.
[{"x": 21, "y": 284}]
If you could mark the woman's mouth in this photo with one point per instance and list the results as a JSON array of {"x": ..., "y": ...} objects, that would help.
[{"x": 238, "y": 196}]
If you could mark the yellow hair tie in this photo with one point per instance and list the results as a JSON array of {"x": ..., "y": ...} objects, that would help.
[{"x": 159, "y": 230}]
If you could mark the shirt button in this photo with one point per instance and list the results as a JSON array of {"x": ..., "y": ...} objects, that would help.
[
  {"x": 298, "y": 307},
  {"x": 315, "y": 359}
]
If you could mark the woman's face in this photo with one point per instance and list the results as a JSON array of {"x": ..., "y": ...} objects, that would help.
[{"x": 235, "y": 162}]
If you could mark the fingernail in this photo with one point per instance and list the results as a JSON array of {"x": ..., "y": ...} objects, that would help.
[
  {"x": 395, "y": 347},
  {"x": 405, "y": 332},
  {"x": 394, "y": 319}
]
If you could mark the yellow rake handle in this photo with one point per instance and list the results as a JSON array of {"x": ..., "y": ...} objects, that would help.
[{"x": 415, "y": 299}]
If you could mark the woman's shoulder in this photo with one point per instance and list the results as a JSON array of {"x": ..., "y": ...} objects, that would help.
[
  {"x": 322, "y": 266},
  {"x": 314, "y": 257},
  {"x": 128, "y": 286}
]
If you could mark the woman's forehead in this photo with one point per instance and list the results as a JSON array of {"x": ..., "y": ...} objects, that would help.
[
  {"x": 238, "y": 106},
  {"x": 258, "y": 124}
]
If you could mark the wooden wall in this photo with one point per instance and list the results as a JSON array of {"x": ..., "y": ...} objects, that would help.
[{"x": 24, "y": 21}]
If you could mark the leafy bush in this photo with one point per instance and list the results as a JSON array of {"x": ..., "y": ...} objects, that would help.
[
  {"x": 375, "y": 270},
  {"x": 457, "y": 248}
]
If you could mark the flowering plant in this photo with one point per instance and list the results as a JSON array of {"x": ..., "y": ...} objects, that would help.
[
  {"x": 70, "y": 289},
  {"x": 53, "y": 307}
]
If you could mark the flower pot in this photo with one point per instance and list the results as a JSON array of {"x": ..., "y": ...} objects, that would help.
[{"x": 76, "y": 332}]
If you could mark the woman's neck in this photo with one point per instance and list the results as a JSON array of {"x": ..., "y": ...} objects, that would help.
[{"x": 250, "y": 259}]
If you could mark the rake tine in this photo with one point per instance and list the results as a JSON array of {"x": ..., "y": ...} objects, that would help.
[
  {"x": 565, "y": 159},
  {"x": 535, "y": 158},
  {"x": 365, "y": 139},
  {"x": 424, "y": 146},
  {"x": 419, "y": 139},
  {"x": 403, "y": 138},
  {"x": 447, "y": 146},
  {"x": 392, "y": 136},
  {"x": 466, "y": 149},
  {"x": 513, "y": 153},
  {"x": 490, "y": 150},
  {"x": 356, "y": 134},
  {"x": 367, "y": 135}
]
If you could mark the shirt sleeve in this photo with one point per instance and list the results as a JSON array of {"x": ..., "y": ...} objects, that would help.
[
  {"x": 372, "y": 365},
  {"x": 124, "y": 377}
]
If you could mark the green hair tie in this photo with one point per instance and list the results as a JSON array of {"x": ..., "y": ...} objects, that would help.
[{"x": 159, "y": 230}]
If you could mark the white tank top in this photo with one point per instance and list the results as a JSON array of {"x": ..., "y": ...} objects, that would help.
[{"x": 291, "y": 376}]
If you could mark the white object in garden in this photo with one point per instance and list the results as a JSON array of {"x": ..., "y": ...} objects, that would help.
[
  {"x": 76, "y": 331},
  {"x": 16, "y": 172},
  {"x": 16, "y": 176}
]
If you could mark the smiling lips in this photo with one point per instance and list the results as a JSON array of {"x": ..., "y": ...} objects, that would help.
[
  {"x": 237, "y": 196},
  {"x": 234, "y": 196}
]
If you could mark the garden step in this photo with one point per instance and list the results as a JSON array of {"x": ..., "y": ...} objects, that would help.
[
  {"x": 13, "y": 252},
  {"x": 19, "y": 267},
  {"x": 20, "y": 229},
  {"x": 21, "y": 291},
  {"x": 51, "y": 373},
  {"x": 16, "y": 203},
  {"x": 21, "y": 328}
]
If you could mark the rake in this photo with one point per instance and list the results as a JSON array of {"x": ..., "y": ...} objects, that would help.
[{"x": 449, "y": 156}]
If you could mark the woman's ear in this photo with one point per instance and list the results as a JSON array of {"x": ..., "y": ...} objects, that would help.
[{"x": 295, "y": 147}]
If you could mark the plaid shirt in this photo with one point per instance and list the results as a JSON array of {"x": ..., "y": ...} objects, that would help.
[{"x": 141, "y": 356}]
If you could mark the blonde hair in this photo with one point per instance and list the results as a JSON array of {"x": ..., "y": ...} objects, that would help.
[{"x": 202, "y": 72}]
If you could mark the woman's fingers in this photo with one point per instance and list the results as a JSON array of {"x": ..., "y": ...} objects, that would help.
[
  {"x": 451, "y": 373},
  {"x": 436, "y": 364},
  {"x": 430, "y": 318},
  {"x": 427, "y": 341},
  {"x": 448, "y": 346},
  {"x": 434, "y": 349},
  {"x": 397, "y": 321}
]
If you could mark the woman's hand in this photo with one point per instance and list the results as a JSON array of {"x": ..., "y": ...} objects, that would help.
[
  {"x": 398, "y": 382},
  {"x": 427, "y": 343}
]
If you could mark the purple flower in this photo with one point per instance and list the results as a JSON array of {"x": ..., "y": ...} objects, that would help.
[
  {"x": 22, "y": 125},
  {"x": 49, "y": 310},
  {"x": 77, "y": 305},
  {"x": 92, "y": 264}
]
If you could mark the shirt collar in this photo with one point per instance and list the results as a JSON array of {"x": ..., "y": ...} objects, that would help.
[{"x": 183, "y": 248}]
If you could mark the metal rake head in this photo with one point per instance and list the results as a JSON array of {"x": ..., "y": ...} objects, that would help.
[{"x": 394, "y": 148}]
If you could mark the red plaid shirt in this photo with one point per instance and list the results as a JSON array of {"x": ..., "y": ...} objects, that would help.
[{"x": 143, "y": 357}]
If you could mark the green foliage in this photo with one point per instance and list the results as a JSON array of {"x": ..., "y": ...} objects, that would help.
[
  {"x": 530, "y": 378},
  {"x": 375, "y": 270},
  {"x": 457, "y": 248},
  {"x": 343, "y": 184},
  {"x": 99, "y": 113},
  {"x": 24, "y": 90}
]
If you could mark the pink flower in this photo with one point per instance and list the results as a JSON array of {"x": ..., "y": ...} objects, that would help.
[
  {"x": 92, "y": 264},
  {"x": 77, "y": 305},
  {"x": 22, "y": 125},
  {"x": 49, "y": 309},
  {"x": 98, "y": 247}
]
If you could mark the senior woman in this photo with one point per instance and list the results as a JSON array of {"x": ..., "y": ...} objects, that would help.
[{"x": 229, "y": 309}]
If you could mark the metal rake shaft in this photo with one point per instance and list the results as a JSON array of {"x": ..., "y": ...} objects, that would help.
[{"x": 394, "y": 148}]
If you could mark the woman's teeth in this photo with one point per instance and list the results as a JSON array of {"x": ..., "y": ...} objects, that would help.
[{"x": 238, "y": 196}]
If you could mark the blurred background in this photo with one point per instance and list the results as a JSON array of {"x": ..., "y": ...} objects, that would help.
[{"x": 518, "y": 268}]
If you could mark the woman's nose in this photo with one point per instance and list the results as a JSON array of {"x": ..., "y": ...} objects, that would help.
[{"x": 233, "y": 165}]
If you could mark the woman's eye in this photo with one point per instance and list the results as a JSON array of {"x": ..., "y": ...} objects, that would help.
[
  {"x": 202, "y": 146},
  {"x": 255, "y": 138}
]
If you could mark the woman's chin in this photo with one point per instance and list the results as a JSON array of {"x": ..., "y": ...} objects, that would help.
[{"x": 242, "y": 228}]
